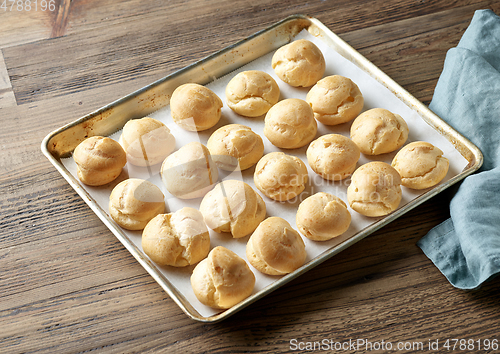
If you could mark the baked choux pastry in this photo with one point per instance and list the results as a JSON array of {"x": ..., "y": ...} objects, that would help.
[
  {"x": 99, "y": 160},
  {"x": 189, "y": 172},
  {"x": 233, "y": 206},
  {"x": 280, "y": 176},
  {"x": 195, "y": 107},
  {"x": 146, "y": 141},
  {"x": 177, "y": 239},
  {"x": 375, "y": 189},
  {"x": 335, "y": 100},
  {"x": 299, "y": 63},
  {"x": 379, "y": 131},
  {"x": 133, "y": 202},
  {"x": 235, "y": 147},
  {"x": 275, "y": 248},
  {"x": 251, "y": 93},
  {"x": 223, "y": 279},
  {"x": 290, "y": 124},
  {"x": 420, "y": 165},
  {"x": 333, "y": 156},
  {"x": 322, "y": 217}
]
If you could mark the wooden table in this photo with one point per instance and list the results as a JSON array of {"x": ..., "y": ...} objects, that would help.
[{"x": 68, "y": 285}]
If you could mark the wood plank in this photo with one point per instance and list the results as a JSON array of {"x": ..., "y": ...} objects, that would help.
[
  {"x": 121, "y": 54},
  {"x": 7, "y": 97},
  {"x": 412, "y": 54},
  {"x": 309, "y": 311},
  {"x": 411, "y": 27},
  {"x": 24, "y": 26},
  {"x": 99, "y": 306},
  {"x": 4, "y": 75},
  {"x": 18, "y": 27},
  {"x": 113, "y": 262}
]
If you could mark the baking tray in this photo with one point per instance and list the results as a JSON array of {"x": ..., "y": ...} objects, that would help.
[{"x": 109, "y": 119}]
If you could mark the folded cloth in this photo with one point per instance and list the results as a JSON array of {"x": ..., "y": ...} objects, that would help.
[{"x": 466, "y": 247}]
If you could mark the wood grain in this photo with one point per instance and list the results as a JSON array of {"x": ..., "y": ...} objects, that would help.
[
  {"x": 68, "y": 286},
  {"x": 7, "y": 98}
]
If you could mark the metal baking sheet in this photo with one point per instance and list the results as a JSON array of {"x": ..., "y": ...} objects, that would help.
[{"x": 153, "y": 101}]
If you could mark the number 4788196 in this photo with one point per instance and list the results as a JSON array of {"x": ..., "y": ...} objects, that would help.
[{"x": 28, "y": 5}]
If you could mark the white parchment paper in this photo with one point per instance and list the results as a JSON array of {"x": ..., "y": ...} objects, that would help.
[{"x": 375, "y": 95}]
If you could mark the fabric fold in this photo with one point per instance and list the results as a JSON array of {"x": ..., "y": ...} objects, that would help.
[{"x": 466, "y": 247}]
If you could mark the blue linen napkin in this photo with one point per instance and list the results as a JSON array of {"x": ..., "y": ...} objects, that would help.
[{"x": 466, "y": 247}]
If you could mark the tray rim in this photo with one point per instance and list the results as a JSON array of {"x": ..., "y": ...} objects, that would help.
[{"x": 475, "y": 159}]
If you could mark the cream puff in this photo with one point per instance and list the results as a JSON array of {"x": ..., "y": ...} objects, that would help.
[
  {"x": 375, "y": 189},
  {"x": 275, "y": 248},
  {"x": 333, "y": 156},
  {"x": 252, "y": 93},
  {"x": 421, "y": 165},
  {"x": 235, "y": 147},
  {"x": 177, "y": 239},
  {"x": 379, "y": 131},
  {"x": 147, "y": 141},
  {"x": 322, "y": 217},
  {"x": 280, "y": 176},
  {"x": 133, "y": 202},
  {"x": 290, "y": 124},
  {"x": 189, "y": 172},
  {"x": 233, "y": 206},
  {"x": 99, "y": 160},
  {"x": 223, "y": 279},
  {"x": 299, "y": 63},
  {"x": 195, "y": 107}
]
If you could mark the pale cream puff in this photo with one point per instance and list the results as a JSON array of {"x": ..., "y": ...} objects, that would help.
[
  {"x": 147, "y": 141},
  {"x": 133, "y": 202},
  {"x": 176, "y": 239},
  {"x": 233, "y": 206},
  {"x": 189, "y": 172}
]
